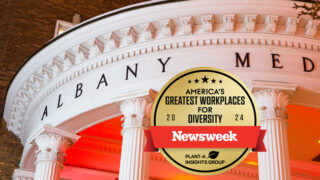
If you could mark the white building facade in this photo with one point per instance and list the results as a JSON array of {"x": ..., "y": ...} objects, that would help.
[{"x": 116, "y": 63}]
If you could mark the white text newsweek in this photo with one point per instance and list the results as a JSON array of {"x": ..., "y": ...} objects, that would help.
[{"x": 180, "y": 136}]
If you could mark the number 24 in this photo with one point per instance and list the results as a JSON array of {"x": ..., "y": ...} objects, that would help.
[{"x": 239, "y": 117}]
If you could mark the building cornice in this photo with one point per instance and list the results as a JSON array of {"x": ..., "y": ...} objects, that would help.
[{"x": 137, "y": 38}]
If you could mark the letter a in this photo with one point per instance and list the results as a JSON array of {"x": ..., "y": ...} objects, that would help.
[
  {"x": 102, "y": 80},
  {"x": 45, "y": 112}
]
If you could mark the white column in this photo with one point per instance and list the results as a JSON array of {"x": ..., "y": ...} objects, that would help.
[
  {"x": 20, "y": 174},
  {"x": 52, "y": 144},
  {"x": 273, "y": 164},
  {"x": 134, "y": 163}
]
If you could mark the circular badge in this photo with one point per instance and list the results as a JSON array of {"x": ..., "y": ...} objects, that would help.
[{"x": 204, "y": 96}]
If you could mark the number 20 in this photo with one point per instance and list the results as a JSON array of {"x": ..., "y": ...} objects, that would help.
[{"x": 171, "y": 117}]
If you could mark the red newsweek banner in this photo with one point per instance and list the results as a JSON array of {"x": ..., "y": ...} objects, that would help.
[{"x": 205, "y": 137}]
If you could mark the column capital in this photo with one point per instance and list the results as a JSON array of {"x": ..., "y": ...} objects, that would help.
[
  {"x": 272, "y": 98},
  {"x": 52, "y": 144},
  {"x": 20, "y": 174},
  {"x": 136, "y": 112},
  {"x": 51, "y": 147},
  {"x": 271, "y": 103}
]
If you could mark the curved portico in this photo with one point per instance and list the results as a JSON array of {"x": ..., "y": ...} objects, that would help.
[{"x": 85, "y": 76}]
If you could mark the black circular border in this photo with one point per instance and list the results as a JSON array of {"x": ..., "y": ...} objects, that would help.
[{"x": 254, "y": 110}]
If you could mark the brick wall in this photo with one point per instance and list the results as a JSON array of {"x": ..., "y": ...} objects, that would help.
[
  {"x": 10, "y": 152},
  {"x": 24, "y": 27}
]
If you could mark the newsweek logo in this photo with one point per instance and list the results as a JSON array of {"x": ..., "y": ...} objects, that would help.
[
  {"x": 180, "y": 136},
  {"x": 204, "y": 121},
  {"x": 205, "y": 137}
]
